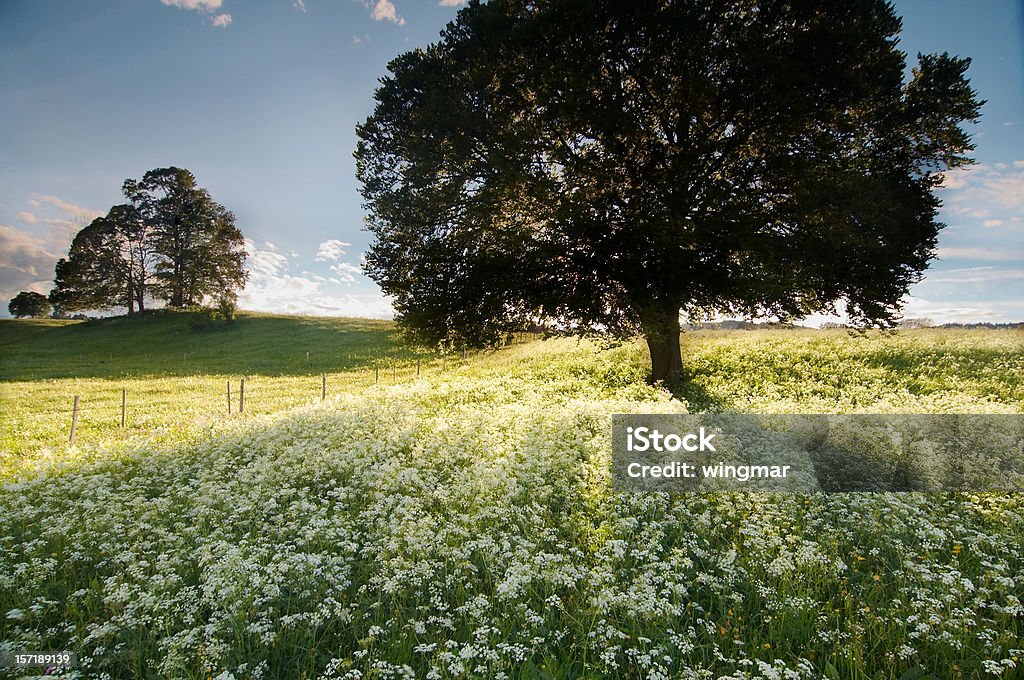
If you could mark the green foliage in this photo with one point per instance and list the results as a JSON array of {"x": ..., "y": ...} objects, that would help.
[
  {"x": 602, "y": 165},
  {"x": 27, "y": 303},
  {"x": 170, "y": 242}
]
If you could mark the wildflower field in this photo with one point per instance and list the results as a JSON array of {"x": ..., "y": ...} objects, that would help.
[{"x": 460, "y": 523}]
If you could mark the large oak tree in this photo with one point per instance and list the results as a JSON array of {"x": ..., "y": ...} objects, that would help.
[{"x": 605, "y": 166}]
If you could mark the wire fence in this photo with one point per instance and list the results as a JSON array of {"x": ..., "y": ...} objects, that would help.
[{"x": 146, "y": 404}]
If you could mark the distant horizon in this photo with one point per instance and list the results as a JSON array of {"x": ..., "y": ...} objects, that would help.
[{"x": 686, "y": 325}]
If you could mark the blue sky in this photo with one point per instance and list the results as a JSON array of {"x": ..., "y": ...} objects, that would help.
[{"x": 260, "y": 99}]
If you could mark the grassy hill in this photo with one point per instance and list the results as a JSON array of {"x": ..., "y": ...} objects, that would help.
[
  {"x": 461, "y": 522},
  {"x": 176, "y": 377},
  {"x": 163, "y": 343}
]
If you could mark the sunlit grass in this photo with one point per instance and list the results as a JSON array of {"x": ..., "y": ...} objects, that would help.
[{"x": 461, "y": 524}]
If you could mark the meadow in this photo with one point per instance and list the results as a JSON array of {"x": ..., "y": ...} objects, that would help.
[{"x": 460, "y": 523}]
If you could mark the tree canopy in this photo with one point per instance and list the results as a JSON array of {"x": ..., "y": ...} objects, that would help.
[
  {"x": 604, "y": 166},
  {"x": 170, "y": 242},
  {"x": 27, "y": 303}
]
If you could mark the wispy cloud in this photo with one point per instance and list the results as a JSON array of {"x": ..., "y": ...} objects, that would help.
[
  {"x": 27, "y": 217},
  {"x": 957, "y": 311},
  {"x": 452, "y": 3},
  {"x": 987, "y": 185},
  {"x": 273, "y": 288},
  {"x": 384, "y": 10},
  {"x": 207, "y": 7},
  {"x": 346, "y": 273},
  {"x": 992, "y": 254},
  {"x": 199, "y": 5},
  {"x": 974, "y": 276},
  {"x": 331, "y": 250},
  {"x": 69, "y": 209},
  {"x": 26, "y": 263}
]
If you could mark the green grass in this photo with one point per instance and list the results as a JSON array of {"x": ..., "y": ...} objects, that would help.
[
  {"x": 461, "y": 523},
  {"x": 176, "y": 377},
  {"x": 163, "y": 344}
]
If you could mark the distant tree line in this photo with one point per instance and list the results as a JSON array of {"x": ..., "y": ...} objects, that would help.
[{"x": 170, "y": 241}]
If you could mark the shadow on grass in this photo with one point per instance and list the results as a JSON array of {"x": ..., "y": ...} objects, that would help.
[
  {"x": 168, "y": 344},
  {"x": 689, "y": 389}
]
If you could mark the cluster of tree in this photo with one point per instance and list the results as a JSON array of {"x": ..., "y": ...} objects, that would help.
[
  {"x": 603, "y": 166},
  {"x": 30, "y": 304},
  {"x": 1011, "y": 325},
  {"x": 169, "y": 241}
]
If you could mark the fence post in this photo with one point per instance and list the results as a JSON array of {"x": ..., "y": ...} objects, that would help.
[
  {"x": 74, "y": 420},
  {"x": 376, "y": 374},
  {"x": 241, "y": 396},
  {"x": 323, "y": 386},
  {"x": 307, "y": 357},
  {"x": 463, "y": 353},
  {"x": 417, "y": 367},
  {"x": 229, "y": 397},
  {"x": 124, "y": 405}
]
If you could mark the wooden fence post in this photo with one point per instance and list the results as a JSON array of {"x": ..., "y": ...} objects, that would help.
[
  {"x": 376, "y": 374},
  {"x": 241, "y": 396},
  {"x": 124, "y": 405},
  {"x": 417, "y": 367},
  {"x": 323, "y": 386},
  {"x": 74, "y": 420},
  {"x": 229, "y": 397},
  {"x": 307, "y": 358}
]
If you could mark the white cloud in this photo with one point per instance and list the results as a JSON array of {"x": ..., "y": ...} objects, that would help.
[
  {"x": 957, "y": 311},
  {"x": 300, "y": 5},
  {"x": 26, "y": 263},
  {"x": 22, "y": 252},
  {"x": 209, "y": 7},
  {"x": 199, "y": 5},
  {"x": 956, "y": 178},
  {"x": 264, "y": 261},
  {"x": 385, "y": 10},
  {"x": 27, "y": 217},
  {"x": 978, "y": 254},
  {"x": 981, "y": 185},
  {"x": 452, "y": 3},
  {"x": 67, "y": 208},
  {"x": 346, "y": 272},
  {"x": 1007, "y": 190},
  {"x": 271, "y": 288},
  {"x": 974, "y": 276},
  {"x": 331, "y": 250},
  {"x": 993, "y": 223}
]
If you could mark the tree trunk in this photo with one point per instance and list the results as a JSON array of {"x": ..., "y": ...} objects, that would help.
[
  {"x": 131, "y": 293},
  {"x": 661, "y": 330}
]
